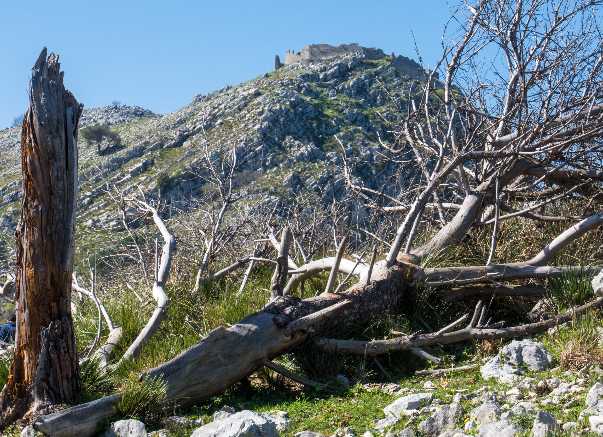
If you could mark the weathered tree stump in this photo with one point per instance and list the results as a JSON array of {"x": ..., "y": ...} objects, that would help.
[{"x": 45, "y": 368}]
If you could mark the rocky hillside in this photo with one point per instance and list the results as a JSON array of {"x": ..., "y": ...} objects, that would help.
[{"x": 283, "y": 125}]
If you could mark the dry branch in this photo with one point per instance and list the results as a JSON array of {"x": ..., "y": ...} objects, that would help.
[
  {"x": 379, "y": 347},
  {"x": 159, "y": 294}
]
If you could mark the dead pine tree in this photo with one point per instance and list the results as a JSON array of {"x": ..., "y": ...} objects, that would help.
[{"x": 45, "y": 369}]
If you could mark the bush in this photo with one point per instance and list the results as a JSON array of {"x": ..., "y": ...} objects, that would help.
[{"x": 99, "y": 134}]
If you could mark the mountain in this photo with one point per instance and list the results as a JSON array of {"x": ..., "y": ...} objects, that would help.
[{"x": 284, "y": 126}]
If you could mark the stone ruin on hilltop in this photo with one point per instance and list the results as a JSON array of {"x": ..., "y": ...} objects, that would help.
[{"x": 321, "y": 52}]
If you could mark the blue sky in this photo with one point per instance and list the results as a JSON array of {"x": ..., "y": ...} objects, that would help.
[{"x": 159, "y": 54}]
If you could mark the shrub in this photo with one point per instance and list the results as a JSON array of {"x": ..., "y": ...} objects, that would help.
[{"x": 99, "y": 134}]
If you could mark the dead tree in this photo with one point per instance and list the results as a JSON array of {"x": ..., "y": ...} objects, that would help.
[
  {"x": 485, "y": 146},
  {"x": 45, "y": 367}
]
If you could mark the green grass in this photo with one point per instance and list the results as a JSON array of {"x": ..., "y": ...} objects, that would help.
[
  {"x": 569, "y": 290},
  {"x": 4, "y": 368}
]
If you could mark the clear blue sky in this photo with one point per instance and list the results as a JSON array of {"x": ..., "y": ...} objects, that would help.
[{"x": 159, "y": 54}]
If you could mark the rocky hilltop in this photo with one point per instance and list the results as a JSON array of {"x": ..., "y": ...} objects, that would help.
[
  {"x": 114, "y": 114},
  {"x": 283, "y": 124}
]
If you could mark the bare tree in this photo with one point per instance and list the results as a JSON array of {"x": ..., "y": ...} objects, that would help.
[
  {"x": 516, "y": 117},
  {"x": 45, "y": 367}
]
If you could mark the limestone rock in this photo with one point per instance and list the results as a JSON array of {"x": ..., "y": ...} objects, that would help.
[
  {"x": 407, "y": 404},
  {"x": 487, "y": 412},
  {"x": 242, "y": 424},
  {"x": 500, "y": 428},
  {"x": 594, "y": 398},
  {"x": 280, "y": 419},
  {"x": 545, "y": 425},
  {"x": 127, "y": 428},
  {"x": 596, "y": 424},
  {"x": 444, "y": 419},
  {"x": 223, "y": 413},
  {"x": 507, "y": 365},
  {"x": 597, "y": 283}
]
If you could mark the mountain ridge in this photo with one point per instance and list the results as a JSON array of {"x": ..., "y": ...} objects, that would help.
[{"x": 283, "y": 125}]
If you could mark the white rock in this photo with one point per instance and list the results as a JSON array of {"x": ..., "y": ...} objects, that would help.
[
  {"x": 382, "y": 424},
  {"x": 344, "y": 432},
  {"x": 527, "y": 353},
  {"x": 521, "y": 409},
  {"x": 280, "y": 419},
  {"x": 127, "y": 428},
  {"x": 506, "y": 366},
  {"x": 443, "y": 419},
  {"x": 242, "y": 424},
  {"x": 28, "y": 431},
  {"x": 501, "y": 428},
  {"x": 407, "y": 404},
  {"x": 223, "y": 413},
  {"x": 596, "y": 424},
  {"x": 487, "y": 412},
  {"x": 502, "y": 372},
  {"x": 594, "y": 398},
  {"x": 553, "y": 382},
  {"x": 429, "y": 385},
  {"x": 545, "y": 425},
  {"x": 569, "y": 426},
  {"x": 597, "y": 283}
]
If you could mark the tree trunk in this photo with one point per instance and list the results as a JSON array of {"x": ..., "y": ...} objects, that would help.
[
  {"x": 45, "y": 368},
  {"x": 228, "y": 355}
]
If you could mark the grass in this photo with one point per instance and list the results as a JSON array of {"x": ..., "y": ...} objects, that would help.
[
  {"x": 578, "y": 343},
  {"x": 569, "y": 290},
  {"x": 4, "y": 368},
  {"x": 142, "y": 400}
]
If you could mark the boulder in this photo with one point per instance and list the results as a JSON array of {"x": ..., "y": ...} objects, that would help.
[
  {"x": 443, "y": 419},
  {"x": 509, "y": 363},
  {"x": 594, "y": 398},
  {"x": 242, "y": 424},
  {"x": 487, "y": 412},
  {"x": 596, "y": 424},
  {"x": 597, "y": 283},
  {"x": 500, "y": 428},
  {"x": 545, "y": 425},
  {"x": 126, "y": 428},
  {"x": 407, "y": 404}
]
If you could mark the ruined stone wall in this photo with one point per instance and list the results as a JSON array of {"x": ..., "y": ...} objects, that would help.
[{"x": 319, "y": 52}]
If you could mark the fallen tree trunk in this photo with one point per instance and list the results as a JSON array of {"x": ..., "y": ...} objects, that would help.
[{"x": 227, "y": 355}]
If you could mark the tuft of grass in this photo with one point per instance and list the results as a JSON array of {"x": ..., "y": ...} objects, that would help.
[
  {"x": 577, "y": 344},
  {"x": 96, "y": 382},
  {"x": 569, "y": 290},
  {"x": 142, "y": 400},
  {"x": 4, "y": 369}
]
